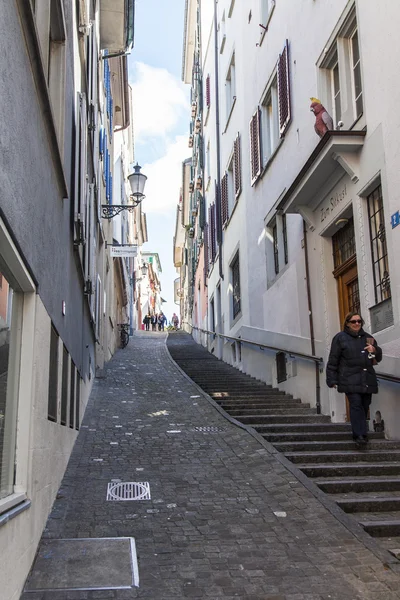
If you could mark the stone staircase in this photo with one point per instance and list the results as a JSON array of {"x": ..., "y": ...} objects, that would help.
[{"x": 364, "y": 483}]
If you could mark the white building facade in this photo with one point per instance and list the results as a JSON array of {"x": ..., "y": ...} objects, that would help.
[{"x": 304, "y": 227}]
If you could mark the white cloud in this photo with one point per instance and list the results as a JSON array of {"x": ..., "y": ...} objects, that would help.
[
  {"x": 165, "y": 177},
  {"x": 159, "y": 101}
]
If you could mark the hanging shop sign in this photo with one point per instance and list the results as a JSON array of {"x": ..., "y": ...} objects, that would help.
[{"x": 124, "y": 250}]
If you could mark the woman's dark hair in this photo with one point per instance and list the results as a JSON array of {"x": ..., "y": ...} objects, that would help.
[{"x": 350, "y": 315}]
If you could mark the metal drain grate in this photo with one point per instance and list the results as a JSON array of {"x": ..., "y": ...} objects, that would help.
[
  {"x": 209, "y": 429},
  {"x": 132, "y": 490}
]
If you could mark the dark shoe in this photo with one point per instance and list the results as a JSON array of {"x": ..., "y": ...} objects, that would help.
[
  {"x": 366, "y": 438},
  {"x": 360, "y": 441}
]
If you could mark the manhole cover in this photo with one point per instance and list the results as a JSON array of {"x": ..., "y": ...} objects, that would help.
[
  {"x": 132, "y": 490},
  {"x": 210, "y": 429}
]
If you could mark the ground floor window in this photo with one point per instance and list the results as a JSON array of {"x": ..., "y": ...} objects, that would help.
[
  {"x": 235, "y": 270},
  {"x": 10, "y": 326},
  {"x": 379, "y": 252}
]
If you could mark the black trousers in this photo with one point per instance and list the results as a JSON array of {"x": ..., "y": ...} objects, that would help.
[{"x": 359, "y": 405}]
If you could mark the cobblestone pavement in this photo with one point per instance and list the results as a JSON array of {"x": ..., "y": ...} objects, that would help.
[{"x": 226, "y": 519}]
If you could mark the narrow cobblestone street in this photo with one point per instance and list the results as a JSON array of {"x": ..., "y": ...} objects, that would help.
[{"x": 226, "y": 520}]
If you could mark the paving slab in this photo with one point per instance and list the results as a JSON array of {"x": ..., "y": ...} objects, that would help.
[{"x": 224, "y": 517}]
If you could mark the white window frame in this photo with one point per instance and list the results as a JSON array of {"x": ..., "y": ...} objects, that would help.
[
  {"x": 270, "y": 136},
  {"x": 21, "y": 374},
  {"x": 353, "y": 67},
  {"x": 230, "y": 88}
]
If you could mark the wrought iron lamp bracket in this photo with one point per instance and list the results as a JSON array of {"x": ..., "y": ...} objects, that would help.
[{"x": 109, "y": 211}]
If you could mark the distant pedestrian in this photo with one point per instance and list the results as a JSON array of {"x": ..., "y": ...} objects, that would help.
[
  {"x": 162, "y": 319},
  {"x": 154, "y": 320},
  {"x": 146, "y": 322},
  {"x": 350, "y": 369},
  {"x": 175, "y": 321}
]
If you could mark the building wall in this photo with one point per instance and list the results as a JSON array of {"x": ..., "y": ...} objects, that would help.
[{"x": 277, "y": 304}]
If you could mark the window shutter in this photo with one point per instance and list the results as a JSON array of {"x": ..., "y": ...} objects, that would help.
[
  {"x": 237, "y": 159},
  {"x": 212, "y": 232},
  {"x": 202, "y": 211},
  {"x": 284, "y": 90},
  {"x": 206, "y": 257},
  {"x": 208, "y": 92},
  {"x": 255, "y": 146},
  {"x": 224, "y": 199},
  {"x": 209, "y": 233}
]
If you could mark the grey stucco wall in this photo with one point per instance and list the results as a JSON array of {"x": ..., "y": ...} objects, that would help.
[{"x": 31, "y": 202}]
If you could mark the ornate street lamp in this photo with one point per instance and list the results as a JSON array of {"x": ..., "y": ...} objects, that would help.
[
  {"x": 144, "y": 268},
  {"x": 137, "y": 181}
]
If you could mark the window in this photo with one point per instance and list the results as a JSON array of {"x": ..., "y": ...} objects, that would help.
[
  {"x": 277, "y": 253},
  {"x": 237, "y": 166},
  {"x": 208, "y": 91},
  {"x": 78, "y": 401},
  {"x": 335, "y": 86},
  {"x": 9, "y": 371},
  {"x": 284, "y": 236},
  {"x": 53, "y": 376},
  {"x": 276, "y": 246},
  {"x": 270, "y": 121},
  {"x": 344, "y": 244},
  {"x": 50, "y": 24},
  {"x": 235, "y": 277},
  {"x": 379, "y": 253},
  {"x": 212, "y": 238},
  {"x": 222, "y": 33},
  {"x": 72, "y": 395},
  {"x": 266, "y": 7},
  {"x": 230, "y": 88},
  {"x": 212, "y": 317},
  {"x": 64, "y": 386},
  {"x": 356, "y": 72},
  {"x": 341, "y": 75},
  {"x": 281, "y": 373},
  {"x": 255, "y": 146}
]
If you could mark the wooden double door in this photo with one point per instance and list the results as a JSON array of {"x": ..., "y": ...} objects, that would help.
[{"x": 346, "y": 275}]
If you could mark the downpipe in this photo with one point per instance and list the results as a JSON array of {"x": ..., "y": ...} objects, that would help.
[{"x": 311, "y": 321}]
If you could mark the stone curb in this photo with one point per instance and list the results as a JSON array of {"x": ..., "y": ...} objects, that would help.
[{"x": 388, "y": 560}]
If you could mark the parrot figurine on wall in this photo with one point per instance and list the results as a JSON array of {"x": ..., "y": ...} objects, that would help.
[{"x": 323, "y": 120}]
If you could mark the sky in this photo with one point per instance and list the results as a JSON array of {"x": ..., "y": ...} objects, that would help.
[{"x": 161, "y": 122}]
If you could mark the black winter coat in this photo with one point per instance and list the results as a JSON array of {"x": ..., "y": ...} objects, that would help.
[{"x": 349, "y": 366}]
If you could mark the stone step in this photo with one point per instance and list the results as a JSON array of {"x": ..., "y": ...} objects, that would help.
[
  {"x": 242, "y": 392},
  {"x": 385, "y": 527},
  {"x": 303, "y": 411},
  {"x": 282, "y": 419},
  {"x": 294, "y": 428},
  {"x": 305, "y": 436},
  {"x": 287, "y": 406},
  {"x": 281, "y": 400},
  {"x": 381, "y": 504},
  {"x": 329, "y": 445},
  {"x": 343, "y": 486},
  {"x": 352, "y": 470},
  {"x": 370, "y": 456}
]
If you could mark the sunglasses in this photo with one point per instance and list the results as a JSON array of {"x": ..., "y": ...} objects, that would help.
[{"x": 355, "y": 321}]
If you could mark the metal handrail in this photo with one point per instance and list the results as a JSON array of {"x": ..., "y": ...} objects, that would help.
[
  {"x": 388, "y": 377},
  {"x": 316, "y": 359}
]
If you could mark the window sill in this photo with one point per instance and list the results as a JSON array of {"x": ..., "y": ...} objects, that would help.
[
  {"x": 235, "y": 320},
  {"x": 12, "y": 506},
  {"x": 230, "y": 114},
  {"x": 271, "y": 158},
  {"x": 264, "y": 31},
  {"x": 282, "y": 271}
]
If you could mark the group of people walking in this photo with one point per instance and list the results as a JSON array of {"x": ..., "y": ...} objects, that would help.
[{"x": 157, "y": 322}]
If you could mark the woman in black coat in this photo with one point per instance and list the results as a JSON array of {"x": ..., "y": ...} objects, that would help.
[{"x": 350, "y": 369}]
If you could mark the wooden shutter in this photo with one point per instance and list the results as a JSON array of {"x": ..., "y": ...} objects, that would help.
[
  {"x": 206, "y": 257},
  {"x": 209, "y": 233},
  {"x": 284, "y": 90},
  {"x": 255, "y": 146},
  {"x": 224, "y": 199},
  {"x": 237, "y": 159},
  {"x": 208, "y": 92}
]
